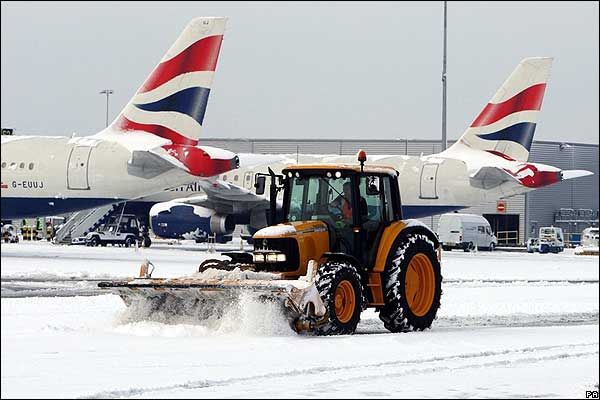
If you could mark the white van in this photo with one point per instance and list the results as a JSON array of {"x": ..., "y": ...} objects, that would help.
[{"x": 465, "y": 231}]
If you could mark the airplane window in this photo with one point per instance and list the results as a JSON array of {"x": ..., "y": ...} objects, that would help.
[
  {"x": 248, "y": 178},
  {"x": 4, "y": 165},
  {"x": 224, "y": 177},
  {"x": 235, "y": 178},
  {"x": 30, "y": 165},
  {"x": 12, "y": 165},
  {"x": 22, "y": 165}
]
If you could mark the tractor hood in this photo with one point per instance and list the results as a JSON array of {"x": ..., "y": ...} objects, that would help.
[
  {"x": 291, "y": 229},
  {"x": 300, "y": 241}
]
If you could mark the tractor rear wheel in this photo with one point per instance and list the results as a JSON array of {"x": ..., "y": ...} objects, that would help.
[
  {"x": 340, "y": 288},
  {"x": 412, "y": 285}
]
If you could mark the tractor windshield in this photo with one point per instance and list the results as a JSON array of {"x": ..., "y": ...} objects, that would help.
[{"x": 319, "y": 197}]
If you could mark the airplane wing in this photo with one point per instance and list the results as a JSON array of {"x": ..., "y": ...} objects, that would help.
[
  {"x": 225, "y": 198},
  {"x": 490, "y": 177}
]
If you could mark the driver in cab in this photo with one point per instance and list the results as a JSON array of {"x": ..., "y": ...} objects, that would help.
[{"x": 342, "y": 203}]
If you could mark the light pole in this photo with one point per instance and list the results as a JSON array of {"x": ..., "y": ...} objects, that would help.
[
  {"x": 444, "y": 86},
  {"x": 107, "y": 92},
  {"x": 562, "y": 147}
]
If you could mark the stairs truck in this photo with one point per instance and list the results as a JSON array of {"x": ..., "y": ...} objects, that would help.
[{"x": 340, "y": 246}]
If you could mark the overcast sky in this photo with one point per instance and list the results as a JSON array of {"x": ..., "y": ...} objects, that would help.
[{"x": 303, "y": 70}]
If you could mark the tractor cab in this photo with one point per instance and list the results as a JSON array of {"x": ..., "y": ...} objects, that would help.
[{"x": 356, "y": 204}]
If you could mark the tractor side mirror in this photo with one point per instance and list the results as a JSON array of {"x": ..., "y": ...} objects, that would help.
[{"x": 259, "y": 184}]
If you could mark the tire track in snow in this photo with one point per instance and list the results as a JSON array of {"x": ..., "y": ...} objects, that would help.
[
  {"x": 448, "y": 367},
  {"x": 404, "y": 367},
  {"x": 516, "y": 282},
  {"x": 375, "y": 326}
]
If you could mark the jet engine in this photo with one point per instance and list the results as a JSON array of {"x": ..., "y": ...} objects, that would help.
[{"x": 172, "y": 220}]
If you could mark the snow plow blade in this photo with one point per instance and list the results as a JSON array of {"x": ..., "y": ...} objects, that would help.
[{"x": 203, "y": 298}]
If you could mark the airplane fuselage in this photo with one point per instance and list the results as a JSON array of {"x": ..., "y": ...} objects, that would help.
[
  {"x": 429, "y": 185},
  {"x": 53, "y": 175}
]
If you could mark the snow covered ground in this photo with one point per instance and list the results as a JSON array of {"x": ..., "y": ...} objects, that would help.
[{"x": 511, "y": 325}]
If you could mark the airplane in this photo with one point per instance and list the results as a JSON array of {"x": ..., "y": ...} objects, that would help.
[
  {"x": 152, "y": 145},
  {"x": 488, "y": 162}
]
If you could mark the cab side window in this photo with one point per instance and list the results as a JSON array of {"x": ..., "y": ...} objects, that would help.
[
  {"x": 370, "y": 199},
  {"x": 389, "y": 204}
]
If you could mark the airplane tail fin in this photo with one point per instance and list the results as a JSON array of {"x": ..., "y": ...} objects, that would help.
[
  {"x": 506, "y": 125},
  {"x": 172, "y": 101}
]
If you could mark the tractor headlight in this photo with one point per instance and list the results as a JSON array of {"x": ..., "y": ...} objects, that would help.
[
  {"x": 269, "y": 257},
  {"x": 275, "y": 257}
]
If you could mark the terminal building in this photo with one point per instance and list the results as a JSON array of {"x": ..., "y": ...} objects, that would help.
[{"x": 571, "y": 205}]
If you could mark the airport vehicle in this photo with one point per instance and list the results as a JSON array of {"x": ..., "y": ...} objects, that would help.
[
  {"x": 152, "y": 145},
  {"x": 9, "y": 234},
  {"x": 466, "y": 232},
  {"x": 550, "y": 239},
  {"x": 487, "y": 163},
  {"x": 341, "y": 246},
  {"x": 589, "y": 237},
  {"x": 121, "y": 230}
]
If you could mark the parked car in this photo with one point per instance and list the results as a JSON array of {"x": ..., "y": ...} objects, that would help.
[
  {"x": 466, "y": 232},
  {"x": 119, "y": 230},
  {"x": 550, "y": 240}
]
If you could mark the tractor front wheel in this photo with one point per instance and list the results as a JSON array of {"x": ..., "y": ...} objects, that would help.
[{"x": 340, "y": 288}]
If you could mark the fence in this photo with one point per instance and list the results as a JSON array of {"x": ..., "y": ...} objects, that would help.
[{"x": 507, "y": 238}]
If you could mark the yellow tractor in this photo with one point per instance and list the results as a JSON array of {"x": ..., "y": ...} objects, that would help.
[{"x": 340, "y": 246}]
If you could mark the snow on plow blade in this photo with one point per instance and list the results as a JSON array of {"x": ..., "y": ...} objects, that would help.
[{"x": 203, "y": 298}]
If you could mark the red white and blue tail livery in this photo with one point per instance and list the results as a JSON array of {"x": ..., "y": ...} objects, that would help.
[
  {"x": 496, "y": 145},
  {"x": 506, "y": 125},
  {"x": 170, "y": 105}
]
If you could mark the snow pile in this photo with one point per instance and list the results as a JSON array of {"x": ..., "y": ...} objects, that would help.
[
  {"x": 243, "y": 315},
  {"x": 581, "y": 250},
  {"x": 275, "y": 231}
]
